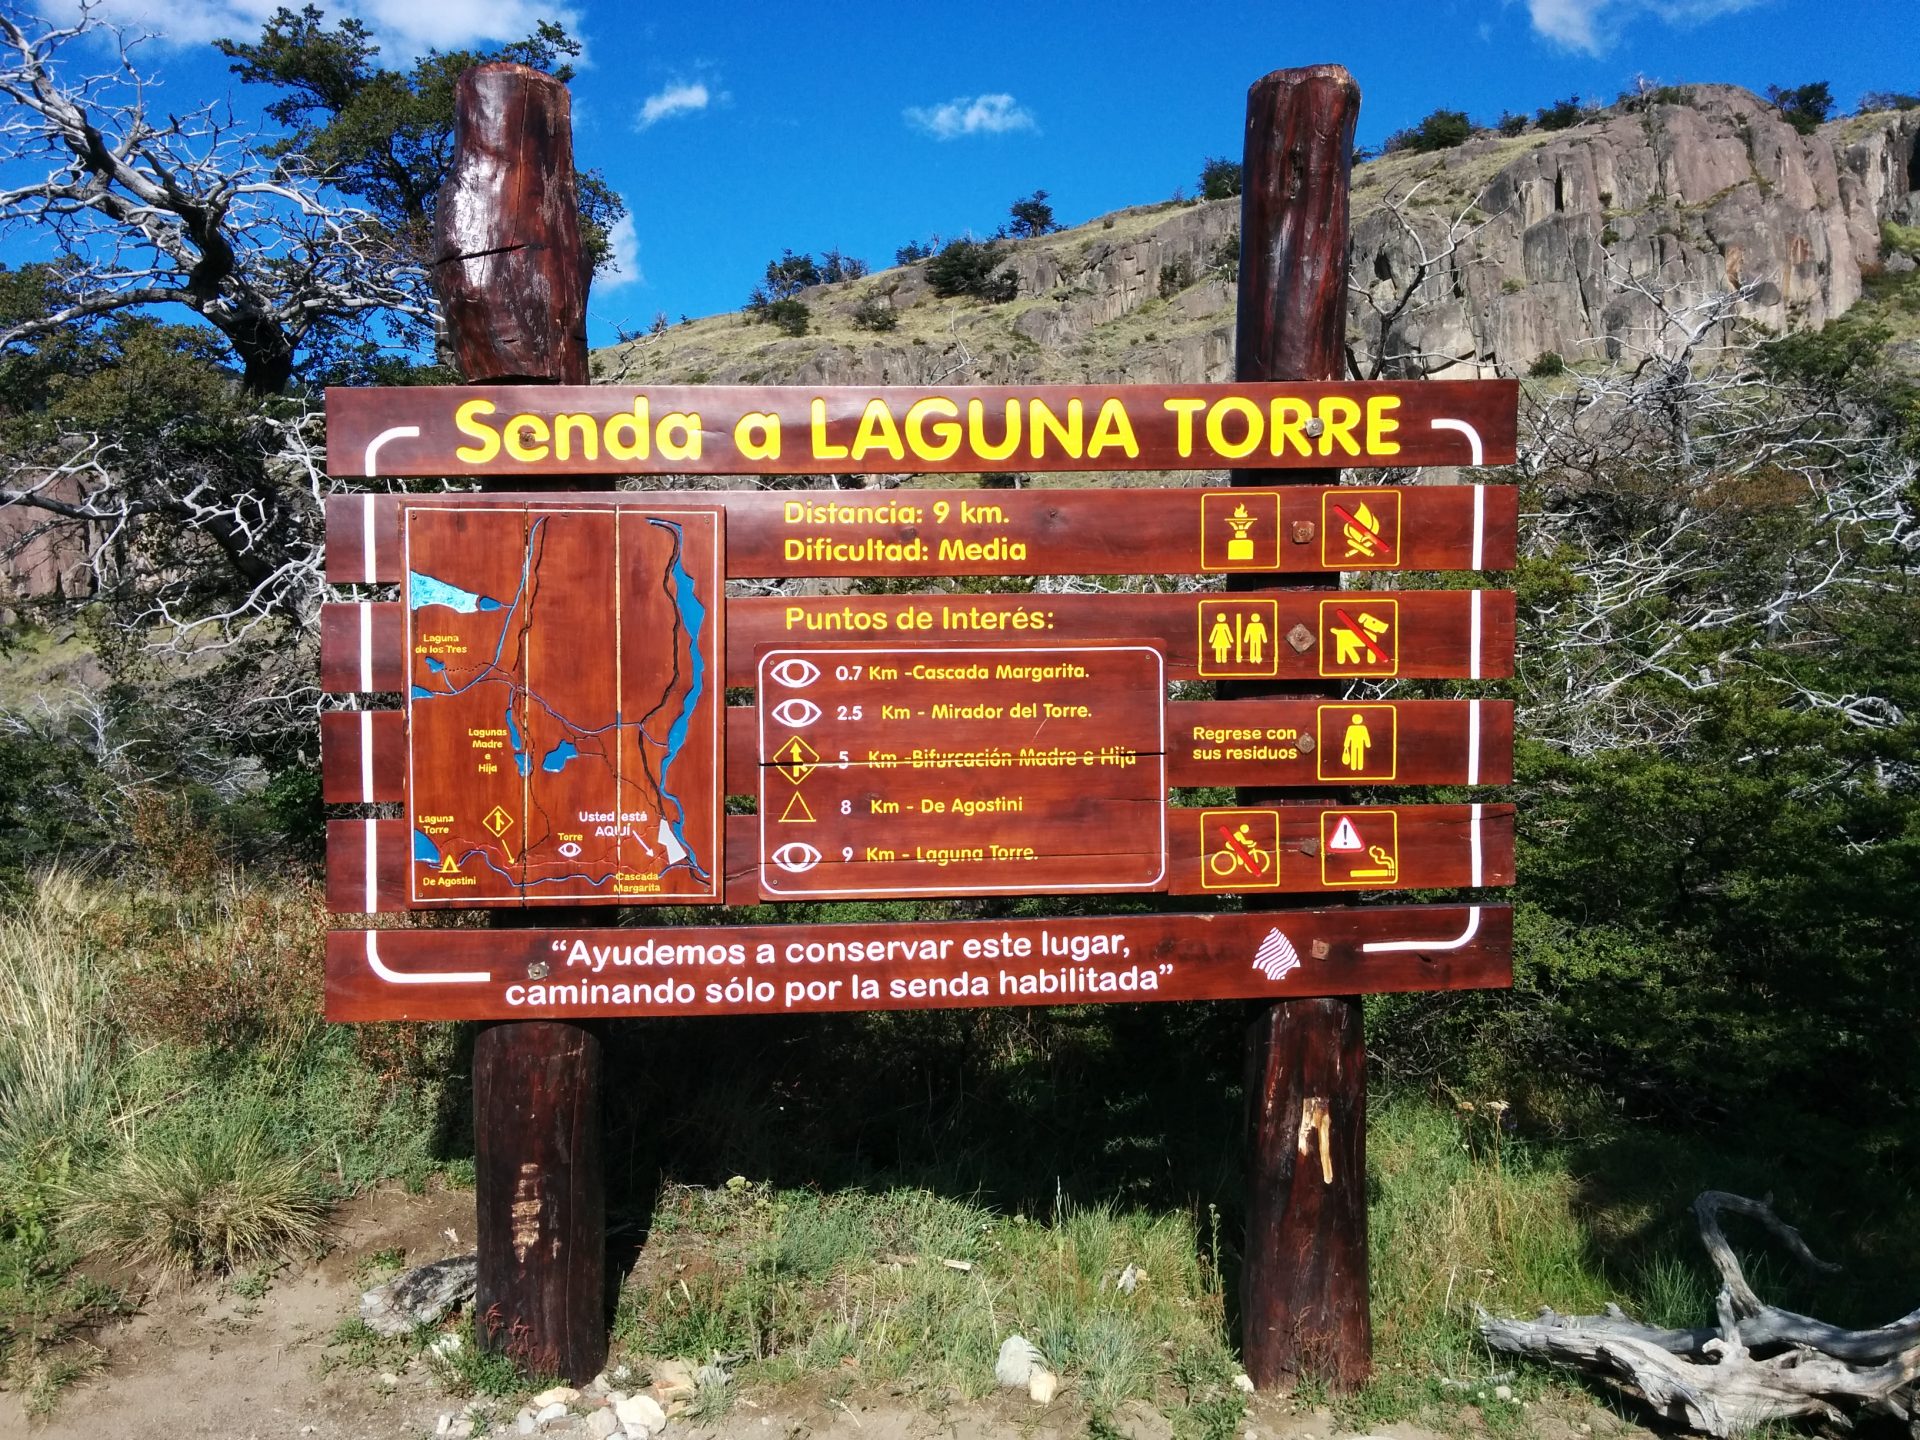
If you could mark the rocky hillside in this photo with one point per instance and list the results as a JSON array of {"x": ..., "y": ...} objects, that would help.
[{"x": 1470, "y": 261}]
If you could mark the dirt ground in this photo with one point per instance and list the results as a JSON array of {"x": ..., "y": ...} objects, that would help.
[{"x": 200, "y": 1363}]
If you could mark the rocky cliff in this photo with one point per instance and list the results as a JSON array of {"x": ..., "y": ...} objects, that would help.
[{"x": 1475, "y": 260}]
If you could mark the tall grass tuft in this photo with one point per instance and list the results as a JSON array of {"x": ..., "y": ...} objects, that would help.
[
  {"x": 57, "y": 1090},
  {"x": 211, "y": 1202}
]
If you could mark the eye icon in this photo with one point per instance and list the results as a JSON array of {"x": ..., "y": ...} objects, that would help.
[
  {"x": 795, "y": 673},
  {"x": 796, "y": 713},
  {"x": 570, "y": 849},
  {"x": 796, "y": 857}
]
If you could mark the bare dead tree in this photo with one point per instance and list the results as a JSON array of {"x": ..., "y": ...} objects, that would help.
[
  {"x": 1435, "y": 257},
  {"x": 153, "y": 208},
  {"x": 1643, "y": 472},
  {"x": 1755, "y": 1364}
]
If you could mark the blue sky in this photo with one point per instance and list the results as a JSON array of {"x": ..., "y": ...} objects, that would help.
[{"x": 734, "y": 130}]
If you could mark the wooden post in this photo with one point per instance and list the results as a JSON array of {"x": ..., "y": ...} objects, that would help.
[
  {"x": 512, "y": 279},
  {"x": 1304, "y": 1285}
]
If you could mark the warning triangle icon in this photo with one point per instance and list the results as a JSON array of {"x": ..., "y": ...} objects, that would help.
[
  {"x": 1345, "y": 837},
  {"x": 796, "y": 812}
]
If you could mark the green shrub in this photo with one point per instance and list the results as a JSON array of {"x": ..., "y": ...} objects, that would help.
[
  {"x": 1511, "y": 124},
  {"x": 1220, "y": 178},
  {"x": 1547, "y": 364},
  {"x": 971, "y": 267},
  {"x": 1805, "y": 107},
  {"x": 1442, "y": 130},
  {"x": 789, "y": 317},
  {"x": 871, "y": 314},
  {"x": 1561, "y": 115},
  {"x": 1175, "y": 276}
]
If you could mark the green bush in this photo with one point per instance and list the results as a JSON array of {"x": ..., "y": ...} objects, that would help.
[
  {"x": 971, "y": 267},
  {"x": 1511, "y": 124},
  {"x": 1561, "y": 115},
  {"x": 871, "y": 314},
  {"x": 1220, "y": 178},
  {"x": 789, "y": 317},
  {"x": 1546, "y": 365},
  {"x": 1442, "y": 130},
  {"x": 1805, "y": 107}
]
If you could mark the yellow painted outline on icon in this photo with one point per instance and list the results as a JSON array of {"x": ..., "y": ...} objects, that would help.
[
  {"x": 1261, "y": 509},
  {"x": 1324, "y": 745},
  {"x": 1332, "y": 527},
  {"x": 1234, "y": 853},
  {"x": 1383, "y": 873},
  {"x": 1330, "y": 615},
  {"x": 1269, "y": 609}
]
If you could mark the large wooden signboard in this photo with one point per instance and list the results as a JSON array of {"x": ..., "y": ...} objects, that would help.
[{"x": 563, "y": 704}]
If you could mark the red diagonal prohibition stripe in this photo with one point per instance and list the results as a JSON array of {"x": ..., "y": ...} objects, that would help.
[
  {"x": 1365, "y": 639},
  {"x": 1257, "y": 864},
  {"x": 1365, "y": 536}
]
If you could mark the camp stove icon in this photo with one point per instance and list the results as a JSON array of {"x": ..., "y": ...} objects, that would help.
[{"x": 1240, "y": 547}]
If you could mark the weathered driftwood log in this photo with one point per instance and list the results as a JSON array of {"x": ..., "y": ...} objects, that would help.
[{"x": 1758, "y": 1363}]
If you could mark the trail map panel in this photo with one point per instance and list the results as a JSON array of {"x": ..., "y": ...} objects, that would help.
[
  {"x": 564, "y": 704},
  {"x": 961, "y": 770}
]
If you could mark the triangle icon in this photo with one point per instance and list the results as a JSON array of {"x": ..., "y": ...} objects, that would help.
[
  {"x": 447, "y": 867},
  {"x": 1345, "y": 837},
  {"x": 796, "y": 812}
]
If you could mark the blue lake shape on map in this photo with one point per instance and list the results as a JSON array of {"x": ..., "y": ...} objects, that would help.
[
  {"x": 425, "y": 852},
  {"x": 556, "y": 758},
  {"x": 519, "y": 746},
  {"x": 425, "y": 590}
]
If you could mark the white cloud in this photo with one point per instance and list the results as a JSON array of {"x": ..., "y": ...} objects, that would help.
[
  {"x": 975, "y": 115},
  {"x": 404, "y": 29},
  {"x": 679, "y": 98},
  {"x": 1592, "y": 26},
  {"x": 626, "y": 258}
]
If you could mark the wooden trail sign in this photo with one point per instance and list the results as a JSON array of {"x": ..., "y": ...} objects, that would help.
[
  {"x": 565, "y": 740},
  {"x": 783, "y": 969},
  {"x": 506, "y": 432},
  {"x": 789, "y": 534}
]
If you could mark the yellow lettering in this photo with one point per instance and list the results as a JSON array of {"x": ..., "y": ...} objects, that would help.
[
  {"x": 822, "y": 450},
  {"x": 1042, "y": 422},
  {"x": 977, "y": 435},
  {"x": 1113, "y": 427},
  {"x": 1338, "y": 416},
  {"x": 757, "y": 436},
  {"x": 518, "y": 447},
  {"x": 946, "y": 432},
  {"x": 1184, "y": 410},
  {"x": 630, "y": 437},
  {"x": 1289, "y": 416},
  {"x": 564, "y": 429},
  {"x": 687, "y": 447},
  {"x": 467, "y": 420},
  {"x": 877, "y": 432},
  {"x": 1379, "y": 426},
  {"x": 1217, "y": 430}
]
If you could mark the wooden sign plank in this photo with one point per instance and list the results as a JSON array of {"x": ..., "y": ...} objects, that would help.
[
  {"x": 563, "y": 704},
  {"x": 503, "y": 431},
  {"x": 1290, "y": 635},
  {"x": 373, "y": 866},
  {"x": 363, "y": 757},
  {"x": 914, "y": 965},
  {"x": 1281, "y": 743},
  {"x": 1273, "y": 743},
  {"x": 791, "y": 534}
]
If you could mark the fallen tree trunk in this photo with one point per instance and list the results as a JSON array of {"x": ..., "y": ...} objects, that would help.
[{"x": 1757, "y": 1363}]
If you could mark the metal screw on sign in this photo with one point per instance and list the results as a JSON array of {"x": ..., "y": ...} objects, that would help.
[
  {"x": 1300, "y": 638},
  {"x": 1304, "y": 531}
]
